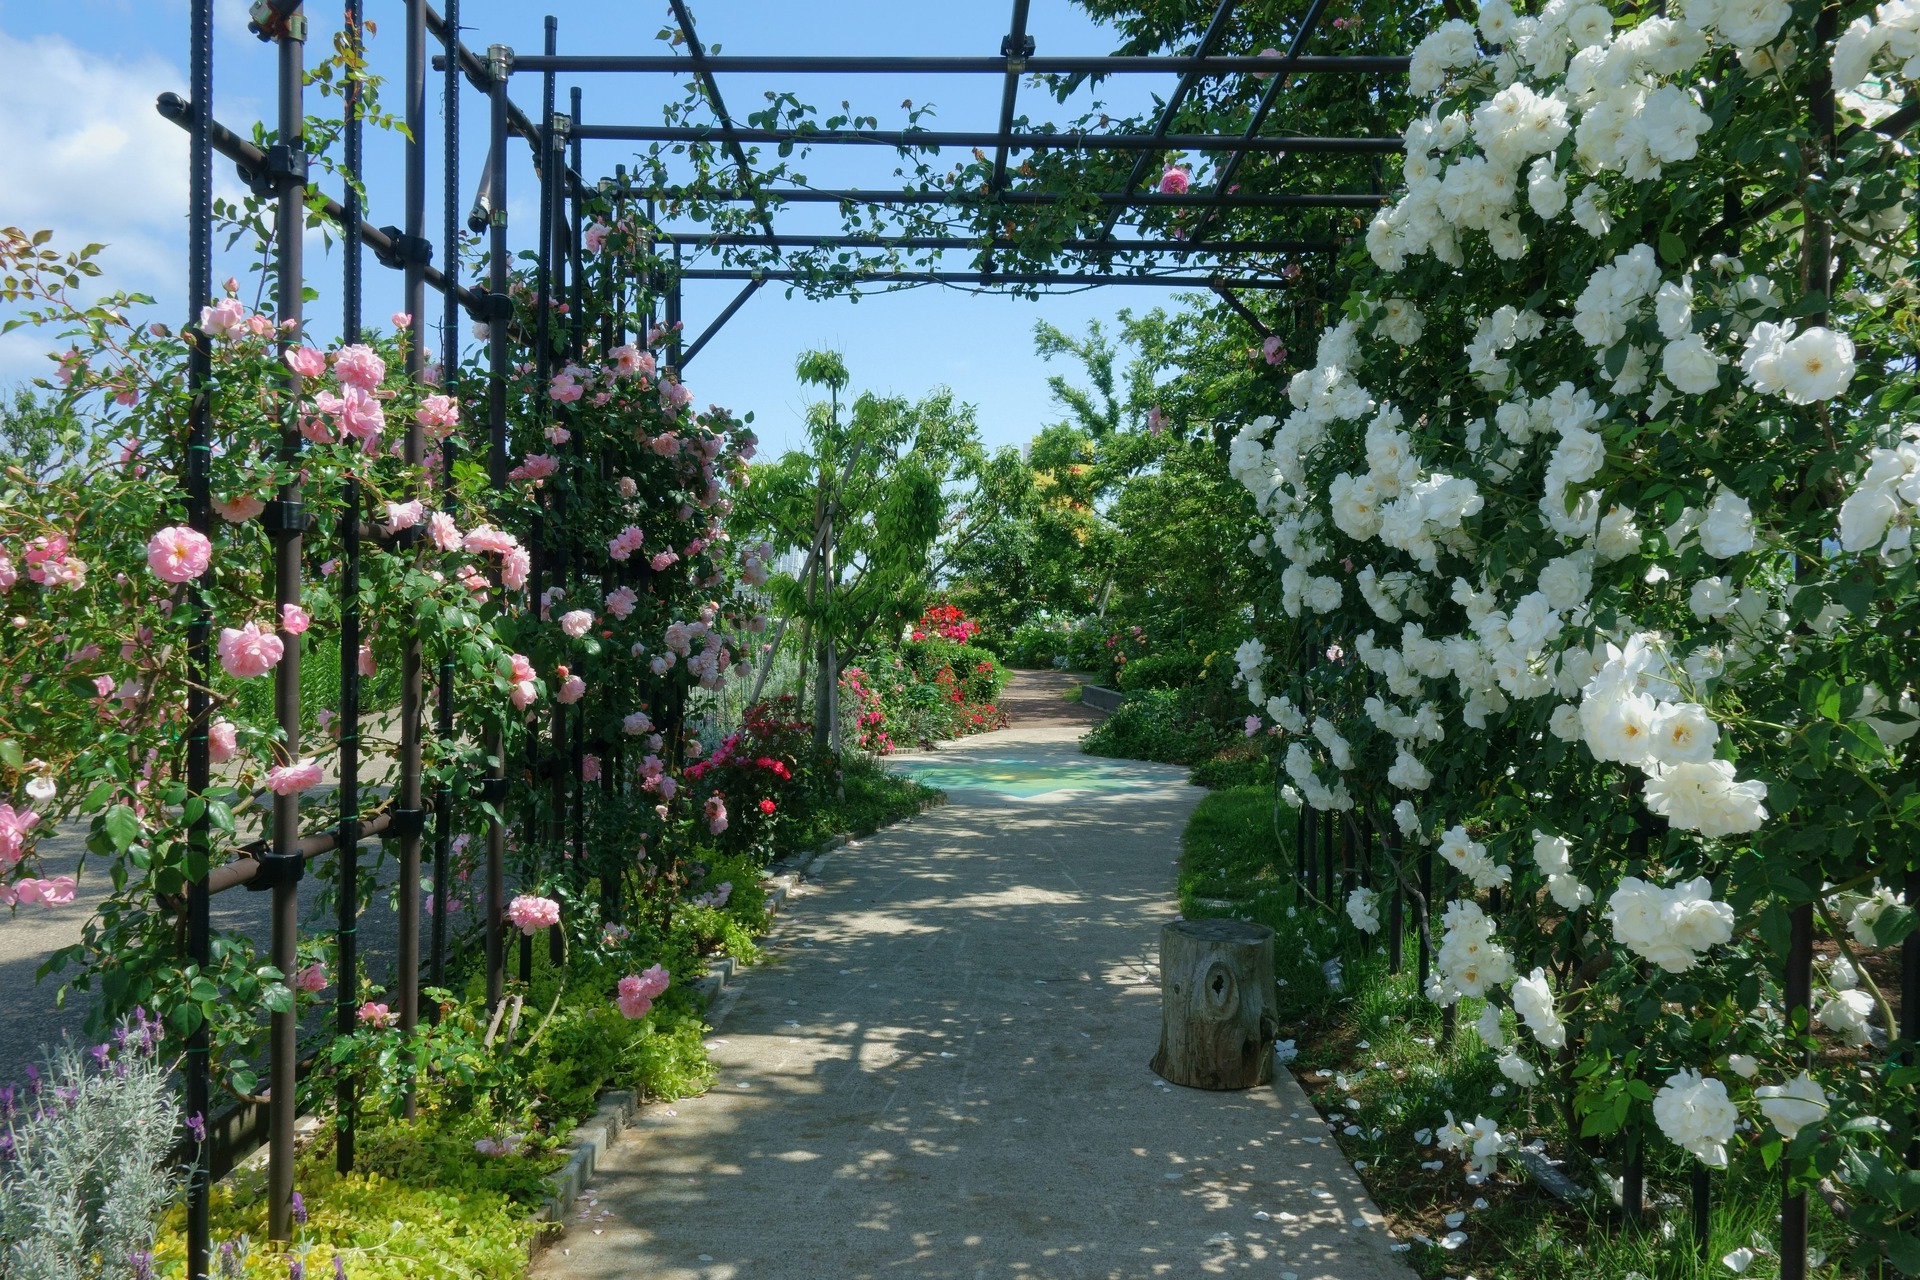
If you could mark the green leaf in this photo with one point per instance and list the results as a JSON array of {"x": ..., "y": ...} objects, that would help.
[
  {"x": 1672, "y": 248},
  {"x": 122, "y": 826}
]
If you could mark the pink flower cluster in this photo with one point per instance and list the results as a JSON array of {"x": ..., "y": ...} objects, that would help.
[
  {"x": 716, "y": 814},
  {"x": 521, "y": 675},
  {"x": 538, "y": 466},
  {"x": 514, "y": 561},
  {"x": 57, "y": 892},
  {"x": 14, "y": 825},
  {"x": 626, "y": 542},
  {"x": 638, "y": 991},
  {"x": 715, "y": 898},
  {"x": 529, "y": 914},
  {"x": 572, "y": 689},
  {"x": 439, "y": 415},
  {"x": 621, "y": 602}
]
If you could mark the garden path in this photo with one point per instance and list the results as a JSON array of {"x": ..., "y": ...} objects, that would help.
[{"x": 942, "y": 1072}]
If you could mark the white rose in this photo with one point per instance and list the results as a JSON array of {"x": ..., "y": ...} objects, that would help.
[
  {"x": 1727, "y": 529},
  {"x": 1794, "y": 1105},
  {"x": 1363, "y": 908},
  {"x": 1691, "y": 366},
  {"x": 1848, "y": 1014},
  {"x": 1683, "y": 733},
  {"x": 1518, "y": 1069},
  {"x": 1710, "y": 598},
  {"x": 1694, "y": 1112},
  {"x": 1817, "y": 365},
  {"x": 1533, "y": 1001},
  {"x": 1867, "y": 920}
]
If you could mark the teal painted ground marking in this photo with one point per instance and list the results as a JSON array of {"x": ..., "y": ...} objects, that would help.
[{"x": 1021, "y": 776}]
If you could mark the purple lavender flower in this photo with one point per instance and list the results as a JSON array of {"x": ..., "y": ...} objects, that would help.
[
  {"x": 99, "y": 1053},
  {"x": 299, "y": 1209},
  {"x": 142, "y": 1262},
  {"x": 6, "y": 1100},
  {"x": 197, "y": 1126},
  {"x": 339, "y": 1267},
  {"x": 33, "y": 1080},
  {"x": 233, "y": 1265},
  {"x": 296, "y": 1269}
]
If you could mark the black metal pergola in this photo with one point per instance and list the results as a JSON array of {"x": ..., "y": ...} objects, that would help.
[{"x": 751, "y": 250}]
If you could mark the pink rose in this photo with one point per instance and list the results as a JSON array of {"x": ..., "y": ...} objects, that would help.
[
  {"x": 637, "y": 724},
  {"x": 514, "y": 567},
  {"x": 1175, "y": 181},
  {"x": 1273, "y": 350},
  {"x": 179, "y": 554},
  {"x": 403, "y": 515},
  {"x": 537, "y": 466},
  {"x": 358, "y": 366},
  {"x": 223, "y": 739},
  {"x": 226, "y": 319},
  {"x": 294, "y": 620},
  {"x": 488, "y": 538},
  {"x": 521, "y": 670},
  {"x": 14, "y": 826},
  {"x": 292, "y": 779},
  {"x": 238, "y": 510},
  {"x": 438, "y": 414},
  {"x": 571, "y": 691},
  {"x": 366, "y": 663},
  {"x": 589, "y": 767},
  {"x": 529, "y": 913},
  {"x": 377, "y": 1015},
  {"x": 444, "y": 532},
  {"x": 360, "y": 414},
  {"x": 595, "y": 237},
  {"x": 249, "y": 652},
  {"x": 626, "y": 542},
  {"x": 306, "y": 362},
  {"x": 621, "y": 602},
  {"x": 576, "y": 622},
  {"x": 403, "y": 320},
  {"x": 57, "y": 892},
  {"x": 313, "y": 978}
]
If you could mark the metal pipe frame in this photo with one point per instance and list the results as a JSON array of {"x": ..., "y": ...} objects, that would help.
[
  {"x": 287, "y": 865},
  {"x": 449, "y": 450},
  {"x": 697, "y": 55},
  {"x": 500, "y": 68},
  {"x": 198, "y": 1068},
  {"x": 972, "y": 199},
  {"x": 1083, "y": 64},
  {"x": 727, "y": 239},
  {"x": 1175, "y": 100},
  {"x": 988, "y": 279},
  {"x": 933, "y": 139},
  {"x": 346, "y": 949}
]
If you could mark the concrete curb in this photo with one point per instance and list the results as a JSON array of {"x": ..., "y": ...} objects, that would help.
[{"x": 1101, "y": 698}]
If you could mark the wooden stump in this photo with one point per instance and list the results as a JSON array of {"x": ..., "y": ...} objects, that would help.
[{"x": 1218, "y": 1015}]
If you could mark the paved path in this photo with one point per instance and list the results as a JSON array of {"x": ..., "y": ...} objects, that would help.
[{"x": 943, "y": 1071}]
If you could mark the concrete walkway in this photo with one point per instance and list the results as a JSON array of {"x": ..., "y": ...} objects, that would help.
[{"x": 942, "y": 1072}]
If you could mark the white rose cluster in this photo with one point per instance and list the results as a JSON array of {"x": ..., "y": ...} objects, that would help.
[
  {"x": 1553, "y": 855},
  {"x": 1363, "y": 908},
  {"x": 1673, "y": 927},
  {"x": 1470, "y": 960},
  {"x": 1878, "y": 514}
]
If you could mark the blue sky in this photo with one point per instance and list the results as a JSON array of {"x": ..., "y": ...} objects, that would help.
[{"x": 96, "y": 163}]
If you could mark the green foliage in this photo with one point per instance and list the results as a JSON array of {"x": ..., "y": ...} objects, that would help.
[
  {"x": 1161, "y": 671},
  {"x": 1156, "y": 724}
]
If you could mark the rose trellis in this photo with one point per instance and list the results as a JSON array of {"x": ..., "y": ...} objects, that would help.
[
  {"x": 1593, "y": 515},
  {"x": 517, "y": 556}
]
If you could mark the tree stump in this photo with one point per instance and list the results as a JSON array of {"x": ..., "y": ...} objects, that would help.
[{"x": 1218, "y": 1015}]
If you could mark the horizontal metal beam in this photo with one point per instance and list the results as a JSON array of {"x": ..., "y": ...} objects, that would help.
[
  {"x": 1092, "y": 64},
  {"x": 1147, "y": 199},
  {"x": 986, "y": 279},
  {"x": 913, "y": 139},
  {"x": 733, "y": 240},
  {"x": 243, "y": 153}
]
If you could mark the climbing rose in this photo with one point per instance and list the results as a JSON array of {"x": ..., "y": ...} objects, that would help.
[
  {"x": 358, "y": 366},
  {"x": 365, "y": 661},
  {"x": 529, "y": 914},
  {"x": 294, "y": 620},
  {"x": 57, "y": 892},
  {"x": 238, "y": 510},
  {"x": 311, "y": 979},
  {"x": 571, "y": 690},
  {"x": 768, "y": 806},
  {"x": 576, "y": 622},
  {"x": 590, "y": 768},
  {"x": 444, "y": 532},
  {"x": 377, "y": 1015},
  {"x": 405, "y": 515},
  {"x": 291, "y": 779},
  {"x": 249, "y": 652},
  {"x": 179, "y": 554},
  {"x": 438, "y": 414},
  {"x": 1794, "y": 1105},
  {"x": 13, "y": 829},
  {"x": 1273, "y": 350},
  {"x": 1174, "y": 181},
  {"x": 306, "y": 362},
  {"x": 222, "y": 740}
]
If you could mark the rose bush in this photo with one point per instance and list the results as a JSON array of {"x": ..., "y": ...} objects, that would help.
[{"x": 1589, "y": 533}]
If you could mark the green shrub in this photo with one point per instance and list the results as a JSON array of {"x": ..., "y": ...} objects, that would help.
[
  {"x": 1157, "y": 724},
  {"x": 1239, "y": 764},
  {"x": 1161, "y": 671}
]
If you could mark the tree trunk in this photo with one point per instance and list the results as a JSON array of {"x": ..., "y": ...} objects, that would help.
[{"x": 1218, "y": 1015}]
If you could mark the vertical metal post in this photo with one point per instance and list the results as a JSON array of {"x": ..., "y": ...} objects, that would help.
[
  {"x": 551, "y": 156},
  {"x": 1328, "y": 886},
  {"x": 412, "y": 686},
  {"x": 1702, "y": 1206},
  {"x": 199, "y": 1092},
  {"x": 287, "y": 525},
  {"x": 449, "y": 449},
  {"x": 1798, "y": 989},
  {"x": 346, "y": 950},
  {"x": 1910, "y": 981},
  {"x": 499, "y": 67},
  {"x": 1426, "y": 916},
  {"x": 1397, "y": 911}
]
